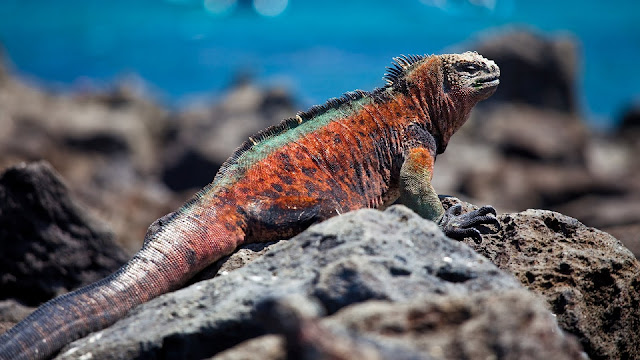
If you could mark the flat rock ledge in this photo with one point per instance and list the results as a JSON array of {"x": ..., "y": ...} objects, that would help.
[{"x": 379, "y": 285}]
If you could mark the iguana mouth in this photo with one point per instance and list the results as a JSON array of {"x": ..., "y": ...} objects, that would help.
[{"x": 488, "y": 81}]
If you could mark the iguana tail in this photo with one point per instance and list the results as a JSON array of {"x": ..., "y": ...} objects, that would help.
[{"x": 190, "y": 240}]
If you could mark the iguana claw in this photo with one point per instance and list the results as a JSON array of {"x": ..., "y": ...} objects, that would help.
[{"x": 459, "y": 226}]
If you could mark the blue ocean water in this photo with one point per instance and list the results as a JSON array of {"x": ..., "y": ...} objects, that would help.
[{"x": 319, "y": 49}]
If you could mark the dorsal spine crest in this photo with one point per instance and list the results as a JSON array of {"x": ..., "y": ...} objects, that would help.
[{"x": 400, "y": 66}]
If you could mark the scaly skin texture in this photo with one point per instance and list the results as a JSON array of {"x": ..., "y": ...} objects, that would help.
[{"x": 366, "y": 149}]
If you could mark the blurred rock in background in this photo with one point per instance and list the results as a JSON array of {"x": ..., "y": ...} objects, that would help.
[
  {"x": 534, "y": 70},
  {"x": 202, "y": 138}
]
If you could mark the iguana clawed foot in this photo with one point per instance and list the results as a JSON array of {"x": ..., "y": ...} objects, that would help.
[{"x": 459, "y": 226}]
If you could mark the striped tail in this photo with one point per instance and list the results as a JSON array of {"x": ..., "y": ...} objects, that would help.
[{"x": 183, "y": 246}]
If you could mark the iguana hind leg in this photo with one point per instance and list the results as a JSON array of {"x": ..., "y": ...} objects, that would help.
[{"x": 285, "y": 216}]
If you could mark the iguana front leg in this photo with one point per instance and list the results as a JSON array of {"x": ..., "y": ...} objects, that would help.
[
  {"x": 459, "y": 226},
  {"x": 417, "y": 193}
]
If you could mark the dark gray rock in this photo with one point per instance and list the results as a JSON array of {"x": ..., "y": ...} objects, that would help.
[
  {"x": 48, "y": 243},
  {"x": 187, "y": 168},
  {"x": 103, "y": 143},
  {"x": 589, "y": 279},
  {"x": 364, "y": 255}
]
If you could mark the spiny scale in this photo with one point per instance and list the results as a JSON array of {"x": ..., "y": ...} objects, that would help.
[{"x": 399, "y": 65}]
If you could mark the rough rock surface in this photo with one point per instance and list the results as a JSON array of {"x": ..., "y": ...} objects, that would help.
[
  {"x": 48, "y": 243},
  {"x": 364, "y": 255},
  {"x": 454, "y": 327},
  {"x": 590, "y": 280},
  {"x": 512, "y": 324}
]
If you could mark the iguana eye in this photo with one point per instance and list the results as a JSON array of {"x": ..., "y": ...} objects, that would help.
[{"x": 470, "y": 68}]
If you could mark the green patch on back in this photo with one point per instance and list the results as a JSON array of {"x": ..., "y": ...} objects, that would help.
[{"x": 275, "y": 137}]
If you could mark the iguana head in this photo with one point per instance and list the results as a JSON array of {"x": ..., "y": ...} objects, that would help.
[
  {"x": 446, "y": 87},
  {"x": 470, "y": 75}
]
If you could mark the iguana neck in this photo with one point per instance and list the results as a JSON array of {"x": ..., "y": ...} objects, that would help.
[{"x": 442, "y": 114}]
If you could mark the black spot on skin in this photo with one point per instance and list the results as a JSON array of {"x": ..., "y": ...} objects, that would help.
[
  {"x": 311, "y": 187},
  {"x": 358, "y": 171},
  {"x": 244, "y": 190},
  {"x": 286, "y": 179},
  {"x": 289, "y": 168},
  {"x": 284, "y": 156},
  {"x": 229, "y": 226},
  {"x": 277, "y": 187},
  {"x": 270, "y": 194},
  {"x": 367, "y": 171},
  {"x": 309, "y": 171},
  {"x": 191, "y": 257},
  {"x": 337, "y": 139}
]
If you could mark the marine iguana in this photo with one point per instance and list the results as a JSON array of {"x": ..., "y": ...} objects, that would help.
[{"x": 364, "y": 149}]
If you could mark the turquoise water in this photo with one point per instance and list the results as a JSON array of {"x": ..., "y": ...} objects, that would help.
[{"x": 317, "y": 49}]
